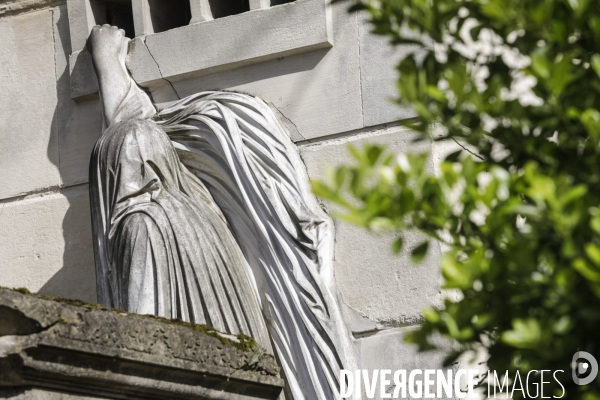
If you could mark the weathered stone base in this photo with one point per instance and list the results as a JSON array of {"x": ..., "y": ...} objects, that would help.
[
  {"x": 54, "y": 350},
  {"x": 42, "y": 394}
]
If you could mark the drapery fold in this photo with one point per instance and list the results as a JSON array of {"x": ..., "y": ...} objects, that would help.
[
  {"x": 212, "y": 198},
  {"x": 235, "y": 145},
  {"x": 162, "y": 246}
]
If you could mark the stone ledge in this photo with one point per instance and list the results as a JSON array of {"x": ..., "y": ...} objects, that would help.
[
  {"x": 86, "y": 350},
  {"x": 213, "y": 46},
  {"x": 10, "y": 7}
]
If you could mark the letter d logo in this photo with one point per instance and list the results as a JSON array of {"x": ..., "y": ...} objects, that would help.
[{"x": 590, "y": 364}]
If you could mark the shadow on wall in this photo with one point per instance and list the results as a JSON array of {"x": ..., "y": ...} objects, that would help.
[{"x": 77, "y": 127}]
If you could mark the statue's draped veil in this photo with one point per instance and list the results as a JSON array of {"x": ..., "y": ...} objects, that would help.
[{"x": 245, "y": 159}]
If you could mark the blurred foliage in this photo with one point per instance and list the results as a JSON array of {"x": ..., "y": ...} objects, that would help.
[{"x": 516, "y": 84}]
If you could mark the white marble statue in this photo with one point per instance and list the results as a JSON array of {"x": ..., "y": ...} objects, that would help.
[{"x": 203, "y": 212}]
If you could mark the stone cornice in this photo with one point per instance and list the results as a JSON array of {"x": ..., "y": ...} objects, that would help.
[
  {"x": 205, "y": 47},
  {"x": 11, "y": 7},
  {"x": 66, "y": 346}
]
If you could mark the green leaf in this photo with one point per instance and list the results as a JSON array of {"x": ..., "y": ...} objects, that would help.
[
  {"x": 380, "y": 223},
  {"x": 453, "y": 157},
  {"x": 593, "y": 252},
  {"x": 595, "y": 223},
  {"x": 540, "y": 65},
  {"x": 456, "y": 274},
  {"x": 573, "y": 194},
  {"x": 586, "y": 270},
  {"x": 528, "y": 279},
  {"x": 595, "y": 61},
  {"x": 419, "y": 252},
  {"x": 340, "y": 176},
  {"x": 373, "y": 154},
  {"x": 579, "y": 6},
  {"x": 431, "y": 315},
  {"x": 591, "y": 121},
  {"x": 563, "y": 325},
  {"x": 397, "y": 245},
  {"x": 355, "y": 7},
  {"x": 525, "y": 334}
]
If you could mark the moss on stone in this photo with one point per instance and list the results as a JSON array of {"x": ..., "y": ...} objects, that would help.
[
  {"x": 72, "y": 302},
  {"x": 244, "y": 343}
]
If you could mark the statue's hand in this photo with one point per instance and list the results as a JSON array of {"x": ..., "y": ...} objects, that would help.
[{"x": 107, "y": 43}]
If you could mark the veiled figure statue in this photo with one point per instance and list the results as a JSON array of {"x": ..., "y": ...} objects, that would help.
[{"x": 203, "y": 212}]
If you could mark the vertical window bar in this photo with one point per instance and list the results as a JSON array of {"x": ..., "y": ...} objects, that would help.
[
  {"x": 258, "y": 4},
  {"x": 142, "y": 20},
  {"x": 200, "y": 11}
]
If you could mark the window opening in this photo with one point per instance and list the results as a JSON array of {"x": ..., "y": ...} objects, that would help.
[
  {"x": 170, "y": 14},
  {"x": 114, "y": 12},
  {"x": 278, "y": 2},
  {"x": 224, "y": 8}
]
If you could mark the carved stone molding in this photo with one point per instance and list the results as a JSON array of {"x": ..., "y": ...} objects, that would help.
[
  {"x": 213, "y": 45},
  {"x": 8, "y": 7},
  {"x": 82, "y": 350}
]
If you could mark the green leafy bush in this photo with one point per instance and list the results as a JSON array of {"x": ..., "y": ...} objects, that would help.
[{"x": 516, "y": 82}]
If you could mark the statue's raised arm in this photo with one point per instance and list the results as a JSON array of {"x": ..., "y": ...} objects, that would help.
[
  {"x": 122, "y": 99},
  {"x": 203, "y": 212}
]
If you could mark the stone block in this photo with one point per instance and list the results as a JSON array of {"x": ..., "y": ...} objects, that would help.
[
  {"x": 146, "y": 69},
  {"x": 318, "y": 88},
  {"x": 84, "y": 84},
  {"x": 318, "y": 91},
  {"x": 82, "y": 21},
  {"x": 82, "y": 350},
  {"x": 301, "y": 26},
  {"x": 78, "y": 125},
  {"x": 15, "y": 6},
  {"x": 37, "y": 394},
  {"x": 378, "y": 60},
  {"x": 47, "y": 244},
  {"x": 295, "y": 28},
  {"x": 82, "y": 128},
  {"x": 28, "y": 140},
  {"x": 387, "y": 289}
]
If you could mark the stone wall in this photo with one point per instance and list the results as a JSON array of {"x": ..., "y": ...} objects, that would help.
[{"x": 329, "y": 97}]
